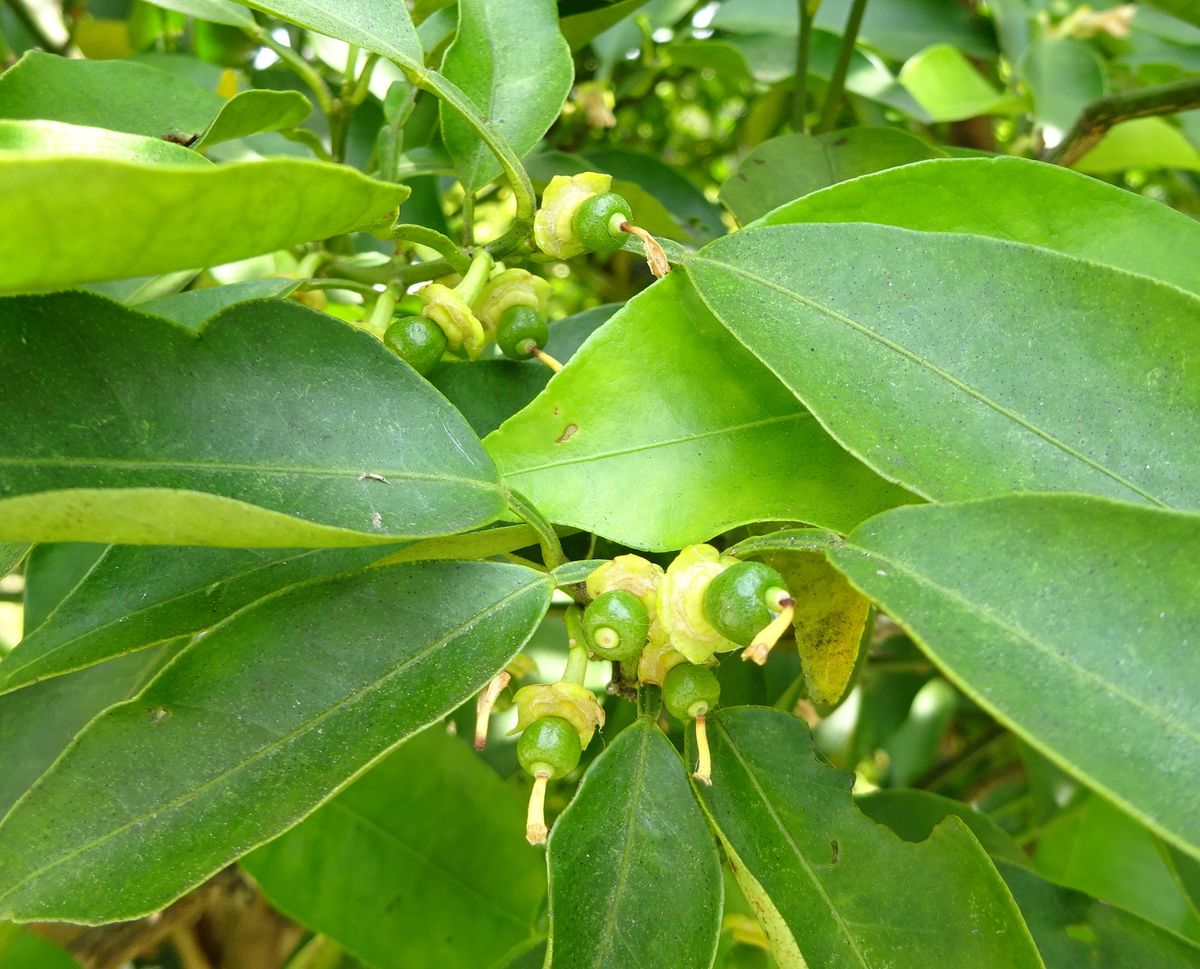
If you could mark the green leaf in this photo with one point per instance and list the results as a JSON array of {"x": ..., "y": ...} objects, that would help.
[
  {"x": 251, "y": 112},
  {"x": 39, "y": 722},
  {"x": 215, "y": 11},
  {"x": 790, "y": 166},
  {"x": 142, "y": 218},
  {"x": 382, "y": 26},
  {"x": 252, "y": 728},
  {"x": 813, "y": 863},
  {"x": 51, "y": 573},
  {"x": 193, "y": 308},
  {"x": 33, "y": 138},
  {"x": 634, "y": 872},
  {"x": 11, "y": 555},
  {"x": 497, "y": 41},
  {"x": 1141, "y": 143},
  {"x": 1101, "y": 851},
  {"x": 1073, "y": 931},
  {"x": 950, "y": 88},
  {"x": 420, "y": 863},
  {"x": 934, "y": 385},
  {"x": 30, "y": 951},
  {"x": 706, "y": 413},
  {"x": 584, "y": 19},
  {"x": 1183, "y": 9},
  {"x": 1063, "y": 76},
  {"x": 159, "y": 435},
  {"x": 1091, "y": 622},
  {"x": 1020, "y": 201}
]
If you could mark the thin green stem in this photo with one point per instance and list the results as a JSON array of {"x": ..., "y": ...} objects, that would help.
[
  {"x": 649, "y": 701},
  {"x": 432, "y": 239},
  {"x": 320, "y": 952},
  {"x": 381, "y": 312},
  {"x": 468, "y": 217},
  {"x": 552, "y": 551},
  {"x": 303, "y": 69},
  {"x": 577, "y": 654},
  {"x": 363, "y": 87},
  {"x": 476, "y": 278},
  {"x": 800, "y": 82},
  {"x": 837, "y": 81}
]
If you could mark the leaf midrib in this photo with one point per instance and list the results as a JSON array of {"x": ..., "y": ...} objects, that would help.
[
  {"x": 268, "y": 749},
  {"x": 915, "y": 358}
]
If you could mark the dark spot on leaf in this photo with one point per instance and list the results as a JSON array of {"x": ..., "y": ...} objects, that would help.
[{"x": 833, "y": 845}]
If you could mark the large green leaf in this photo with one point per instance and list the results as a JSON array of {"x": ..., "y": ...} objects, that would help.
[
  {"x": 39, "y": 722},
  {"x": 252, "y": 728},
  {"x": 382, "y": 26},
  {"x": 127, "y": 218},
  {"x": 921, "y": 354},
  {"x": 490, "y": 60},
  {"x": 419, "y": 864},
  {"x": 634, "y": 873},
  {"x": 193, "y": 308},
  {"x": 949, "y": 88},
  {"x": 1021, "y": 201},
  {"x": 216, "y": 11},
  {"x": 1141, "y": 143},
  {"x": 712, "y": 443},
  {"x": 273, "y": 425},
  {"x": 29, "y": 951},
  {"x": 793, "y": 165},
  {"x": 139, "y": 99},
  {"x": 135, "y": 596},
  {"x": 51, "y": 572},
  {"x": 54, "y": 138},
  {"x": 1074, "y": 931},
  {"x": 1067, "y": 617},
  {"x": 813, "y": 866}
]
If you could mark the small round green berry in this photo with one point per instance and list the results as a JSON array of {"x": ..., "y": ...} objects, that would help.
[
  {"x": 520, "y": 332},
  {"x": 690, "y": 691},
  {"x": 616, "y": 625},
  {"x": 417, "y": 341},
  {"x": 598, "y": 222},
  {"x": 549, "y": 747},
  {"x": 744, "y": 599}
]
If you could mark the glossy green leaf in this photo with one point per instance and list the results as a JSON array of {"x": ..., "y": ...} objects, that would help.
[
  {"x": 808, "y": 858},
  {"x": 193, "y": 308},
  {"x": 1021, "y": 201},
  {"x": 33, "y": 138},
  {"x": 382, "y": 26},
  {"x": 1063, "y": 76},
  {"x": 39, "y": 722},
  {"x": 497, "y": 41},
  {"x": 950, "y": 88},
  {"x": 159, "y": 435},
  {"x": 419, "y": 864},
  {"x": 140, "y": 99},
  {"x": 1074, "y": 931},
  {"x": 51, "y": 572},
  {"x": 634, "y": 873},
  {"x": 740, "y": 450},
  {"x": 934, "y": 386},
  {"x": 11, "y": 555},
  {"x": 142, "y": 218},
  {"x": 215, "y": 11},
  {"x": 1101, "y": 851},
  {"x": 793, "y": 165},
  {"x": 914, "y": 815},
  {"x": 247, "y": 732},
  {"x": 1141, "y": 143},
  {"x": 1095, "y": 621}
]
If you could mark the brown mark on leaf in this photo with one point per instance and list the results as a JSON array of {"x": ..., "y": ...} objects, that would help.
[
  {"x": 567, "y": 434},
  {"x": 186, "y": 140},
  {"x": 836, "y": 851}
]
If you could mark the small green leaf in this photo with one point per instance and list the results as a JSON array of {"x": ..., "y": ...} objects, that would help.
[
  {"x": 159, "y": 435},
  {"x": 382, "y": 26},
  {"x": 1039, "y": 604},
  {"x": 634, "y": 873},
  {"x": 11, "y": 555},
  {"x": 710, "y": 424},
  {"x": 1141, "y": 143},
  {"x": 950, "y": 88},
  {"x": 193, "y": 308},
  {"x": 934, "y": 385},
  {"x": 142, "y": 218},
  {"x": 797, "y": 842},
  {"x": 489, "y": 60},
  {"x": 584, "y": 19},
  {"x": 1064, "y": 75},
  {"x": 249, "y": 112},
  {"x": 29, "y": 951},
  {"x": 215, "y": 11},
  {"x": 252, "y": 728},
  {"x": 53, "y": 138},
  {"x": 794, "y": 165},
  {"x": 1021, "y": 201},
  {"x": 421, "y": 863}
]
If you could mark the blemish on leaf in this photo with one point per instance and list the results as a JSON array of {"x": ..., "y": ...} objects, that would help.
[
  {"x": 376, "y": 520},
  {"x": 833, "y": 846},
  {"x": 158, "y": 714},
  {"x": 372, "y": 476},
  {"x": 567, "y": 434}
]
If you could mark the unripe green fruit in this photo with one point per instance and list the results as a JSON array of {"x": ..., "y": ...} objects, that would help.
[
  {"x": 549, "y": 746},
  {"x": 743, "y": 599},
  {"x": 417, "y": 341},
  {"x": 520, "y": 332},
  {"x": 597, "y": 223},
  {"x": 690, "y": 691},
  {"x": 616, "y": 625}
]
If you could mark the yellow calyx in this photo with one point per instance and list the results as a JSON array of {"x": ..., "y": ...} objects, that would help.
[
  {"x": 632, "y": 573},
  {"x": 553, "y": 225},
  {"x": 449, "y": 311},
  {"x": 573, "y": 703},
  {"x": 512, "y": 287},
  {"x": 681, "y": 603}
]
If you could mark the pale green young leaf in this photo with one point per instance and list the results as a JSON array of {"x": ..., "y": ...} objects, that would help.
[
  {"x": 215, "y": 11},
  {"x": 950, "y": 88},
  {"x": 382, "y": 26}
]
